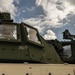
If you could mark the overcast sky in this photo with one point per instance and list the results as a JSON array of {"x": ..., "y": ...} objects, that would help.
[{"x": 50, "y": 17}]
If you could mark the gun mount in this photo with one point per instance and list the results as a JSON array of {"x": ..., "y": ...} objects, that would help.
[
  {"x": 71, "y": 44},
  {"x": 65, "y": 49},
  {"x": 67, "y": 35}
]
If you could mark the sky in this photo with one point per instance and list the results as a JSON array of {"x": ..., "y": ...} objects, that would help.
[{"x": 50, "y": 17}]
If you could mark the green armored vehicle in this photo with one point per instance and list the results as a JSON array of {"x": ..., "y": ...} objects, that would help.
[
  {"x": 23, "y": 51},
  {"x": 20, "y": 42}
]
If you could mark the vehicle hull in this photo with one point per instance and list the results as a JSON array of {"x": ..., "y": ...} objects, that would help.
[{"x": 37, "y": 69}]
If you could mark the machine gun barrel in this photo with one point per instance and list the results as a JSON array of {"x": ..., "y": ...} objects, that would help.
[
  {"x": 72, "y": 36},
  {"x": 64, "y": 43}
]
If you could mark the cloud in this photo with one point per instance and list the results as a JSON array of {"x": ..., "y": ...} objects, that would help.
[
  {"x": 72, "y": 2},
  {"x": 17, "y": 1},
  {"x": 50, "y": 35},
  {"x": 23, "y": 10},
  {"x": 8, "y": 6},
  {"x": 27, "y": 9},
  {"x": 30, "y": 9},
  {"x": 55, "y": 12},
  {"x": 67, "y": 50},
  {"x": 34, "y": 22}
]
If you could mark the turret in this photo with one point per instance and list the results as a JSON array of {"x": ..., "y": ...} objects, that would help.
[{"x": 5, "y": 17}]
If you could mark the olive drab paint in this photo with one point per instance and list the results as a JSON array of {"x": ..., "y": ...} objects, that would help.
[{"x": 16, "y": 45}]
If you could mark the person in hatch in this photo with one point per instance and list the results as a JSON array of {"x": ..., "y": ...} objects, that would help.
[
  {"x": 32, "y": 35},
  {"x": 7, "y": 32}
]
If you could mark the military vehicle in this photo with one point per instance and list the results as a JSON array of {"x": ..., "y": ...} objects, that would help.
[{"x": 23, "y": 51}]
